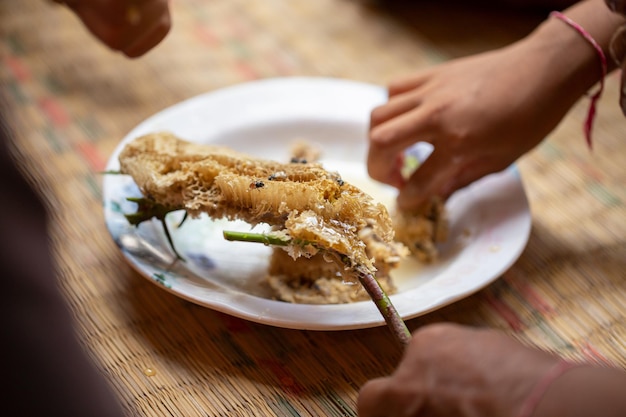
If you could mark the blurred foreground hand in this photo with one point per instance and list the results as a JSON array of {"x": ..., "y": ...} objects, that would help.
[
  {"x": 132, "y": 27},
  {"x": 453, "y": 370}
]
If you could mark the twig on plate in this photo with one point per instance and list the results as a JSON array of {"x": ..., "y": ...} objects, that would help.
[
  {"x": 147, "y": 209},
  {"x": 385, "y": 306},
  {"x": 368, "y": 281}
]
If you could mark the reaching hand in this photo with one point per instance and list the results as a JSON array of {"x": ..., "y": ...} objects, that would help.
[
  {"x": 132, "y": 27},
  {"x": 451, "y": 370},
  {"x": 480, "y": 113}
]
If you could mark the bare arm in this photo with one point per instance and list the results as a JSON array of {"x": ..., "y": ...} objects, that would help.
[
  {"x": 585, "y": 391},
  {"x": 451, "y": 370},
  {"x": 483, "y": 112}
]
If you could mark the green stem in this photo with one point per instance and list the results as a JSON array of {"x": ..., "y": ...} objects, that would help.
[
  {"x": 146, "y": 210},
  {"x": 372, "y": 286},
  {"x": 266, "y": 239},
  {"x": 385, "y": 306}
]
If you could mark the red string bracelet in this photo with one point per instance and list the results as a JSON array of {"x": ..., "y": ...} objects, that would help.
[
  {"x": 542, "y": 386},
  {"x": 594, "y": 97}
]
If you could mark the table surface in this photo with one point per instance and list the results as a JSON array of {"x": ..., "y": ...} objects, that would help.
[{"x": 74, "y": 100}]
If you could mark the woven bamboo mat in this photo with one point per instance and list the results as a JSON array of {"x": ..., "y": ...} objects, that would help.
[{"x": 73, "y": 100}]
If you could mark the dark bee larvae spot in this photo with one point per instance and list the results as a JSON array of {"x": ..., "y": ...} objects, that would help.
[{"x": 419, "y": 246}]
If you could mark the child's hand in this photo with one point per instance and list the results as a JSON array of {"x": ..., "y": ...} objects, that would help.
[{"x": 481, "y": 113}]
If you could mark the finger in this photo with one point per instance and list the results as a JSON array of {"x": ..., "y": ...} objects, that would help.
[
  {"x": 617, "y": 6},
  {"x": 471, "y": 172},
  {"x": 151, "y": 38},
  {"x": 389, "y": 141},
  {"x": 622, "y": 97},
  {"x": 396, "y": 106},
  {"x": 147, "y": 24},
  {"x": 402, "y": 85},
  {"x": 417, "y": 124},
  {"x": 104, "y": 25},
  {"x": 118, "y": 26},
  {"x": 429, "y": 180},
  {"x": 371, "y": 401},
  {"x": 443, "y": 174},
  {"x": 617, "y": 48},
  {"x": 385, "y": 168}
]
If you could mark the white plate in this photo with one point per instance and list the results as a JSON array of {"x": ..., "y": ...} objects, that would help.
[{"x": 490, "y": 220}]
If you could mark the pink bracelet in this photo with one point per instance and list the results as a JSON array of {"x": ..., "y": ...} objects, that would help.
[
  {"x": 594, "y": 97},
  {"x": 542, "y": 386}
]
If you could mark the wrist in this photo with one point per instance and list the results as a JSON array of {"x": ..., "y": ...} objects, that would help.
[
  {"x": 568, "y": 52},
  {"x": 567, "y": 58},
  {"x": 580, "y": 65},
  {"x": 585, "y": 391},
  {"x": 541, "y": 387}
]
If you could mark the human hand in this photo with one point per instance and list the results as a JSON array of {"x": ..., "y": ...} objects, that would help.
[
  {"x": 132, "y": 27},
  {"x": 618, "y": 47},
  {"x": 480, "y": 113},
  {"x": 451, "y": 370}
]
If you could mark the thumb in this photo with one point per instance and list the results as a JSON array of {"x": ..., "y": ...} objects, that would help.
[{"x": 426, "y": 182}]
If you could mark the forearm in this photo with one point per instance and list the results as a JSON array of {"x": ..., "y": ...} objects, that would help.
[
  {"x": 585, "y": 391},
  {"x": 568, "y": 55}
]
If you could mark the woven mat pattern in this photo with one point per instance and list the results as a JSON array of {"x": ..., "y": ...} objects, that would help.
[{"x": 73, "y": 100}]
